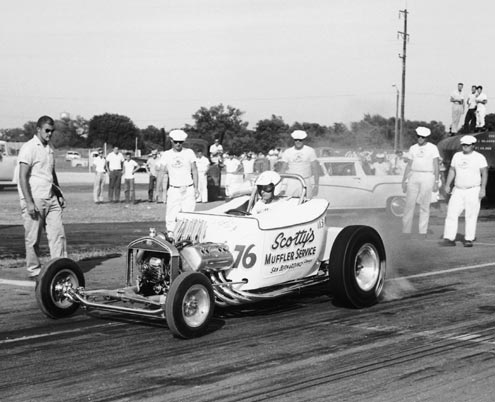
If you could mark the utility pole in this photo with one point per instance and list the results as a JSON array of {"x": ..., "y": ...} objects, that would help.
[
  {"x": 405, "y": 38},
  {"x": 396, "y": 130}
]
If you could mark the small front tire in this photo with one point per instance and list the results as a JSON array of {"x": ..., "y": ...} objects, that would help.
[
  {"x": 55, "y": 279},
  {"x": 189, "y": 305}
]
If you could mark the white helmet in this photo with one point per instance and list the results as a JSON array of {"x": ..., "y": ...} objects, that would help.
[{"x": 268, "y": 177}]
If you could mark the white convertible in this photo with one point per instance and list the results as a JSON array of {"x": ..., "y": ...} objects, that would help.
[{"x": 226, "y": 256}]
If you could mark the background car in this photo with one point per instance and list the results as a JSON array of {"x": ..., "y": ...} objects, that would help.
[
  {"x": 71, "y": 155},
  {"x": 348, "y": 183},
  {"x": 8, "y": 163}
]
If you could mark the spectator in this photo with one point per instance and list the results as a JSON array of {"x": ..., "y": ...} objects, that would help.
[
  {"x": 301, "y": 159},
  {"x": 100, "y": 169},
  {"x": 233, "y": 169},
  {"x": 380, "y": 167},
  {"x": 40, "y": 196},
  {"x": 114, "y": 159},
  {"x": 160, "y": 191},
  {"x": 400, "y": 163},
  {"x": 470, "y": 119},
  {"x": 468, "y": 170},
  {"x": 481, "y": 101},
  {"x": 261, "y": 164},
  {"x": 202, "y": 164},
  {"x": 273, "y": 158},
  {"x": 248, "y": 166},
  {"x": 130, "y": 167},
  {"x": 216, "y": 151},
  {"x": 419, "y": 181},
  {"x": 181, "y": 173},
  {"x": 457, "y": 100},
  {"x": 151, "y": 167}
]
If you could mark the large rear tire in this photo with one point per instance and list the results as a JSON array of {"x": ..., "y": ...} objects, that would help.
[
  {"x": 357, "y": 266},
  {"x": 189, "y": 305},
  {"x": 54, "y": 280}
]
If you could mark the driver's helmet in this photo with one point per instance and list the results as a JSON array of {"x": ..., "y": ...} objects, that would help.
[{"x": 267, "y": 181}]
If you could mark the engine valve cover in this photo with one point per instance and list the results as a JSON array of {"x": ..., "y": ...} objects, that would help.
[{"x": 206, "y": 256}]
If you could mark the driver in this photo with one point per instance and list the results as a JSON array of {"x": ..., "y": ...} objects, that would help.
[{"x": 266, "y": 183}]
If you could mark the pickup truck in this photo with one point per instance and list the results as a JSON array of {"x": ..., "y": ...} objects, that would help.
[
  {"x": 8, "y": 163},
  {"x": 349, "y": 183}
]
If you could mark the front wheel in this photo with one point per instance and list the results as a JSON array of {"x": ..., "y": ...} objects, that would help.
[
  {"x": 357, "y": 266},
  {"x": 189, "y": 305},
  {"x": 55, "y": 279}
]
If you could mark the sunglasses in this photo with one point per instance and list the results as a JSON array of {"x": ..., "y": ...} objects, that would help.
[
  {"x": 420, "y": 136},
  {"x": 47, "y": 130},
  {"x": 268, "y": 188},
  {"x": 299, "y": 140},
  {"x": 467, "y": 145},
  {"x": 178, "y": 142}
]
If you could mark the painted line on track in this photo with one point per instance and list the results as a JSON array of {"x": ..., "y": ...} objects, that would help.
[
  {"x": 444, "y": 271},
  {"x": 28, "y": 284}
]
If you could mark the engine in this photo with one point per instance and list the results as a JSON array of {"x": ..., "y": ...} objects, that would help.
[
  {"x": 206, "y": 257},
  {"x": 153, "y": 273}
]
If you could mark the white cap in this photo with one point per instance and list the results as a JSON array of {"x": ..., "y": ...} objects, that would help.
[
  {"x": 468, "y": 139},
  {"x": 268, "y": 177},
  {"x": 178, "y": 135},
  {"x": 299, "y": 134},
  {"x": 380, "y": 155},
  {"x": 271, "y": 152},
  {"x": 423, "y": 131}
]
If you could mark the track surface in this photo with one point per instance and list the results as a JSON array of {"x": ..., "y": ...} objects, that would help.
[{"x": 433, "y": 338}]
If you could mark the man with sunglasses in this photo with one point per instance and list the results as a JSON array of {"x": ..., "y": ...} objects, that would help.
[
  {"x": 266, "y": 183},
  {"x": 181, "y": 175},
  {"x": 469, "y": 173},
  {"x": 420, "y": 181},
  {"x": 301, "y": 159},
  {"x": 40, "y": 196}
]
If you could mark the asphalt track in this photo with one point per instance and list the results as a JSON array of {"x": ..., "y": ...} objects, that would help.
[{"x": 432, "y": 338}]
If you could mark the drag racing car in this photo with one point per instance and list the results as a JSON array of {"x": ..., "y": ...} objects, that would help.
[{"x": 228, "y": 256}]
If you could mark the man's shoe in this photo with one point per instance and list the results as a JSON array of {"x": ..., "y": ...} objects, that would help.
[
  {"x": 468, "y": 243},
  {"x": 33, "y": 272},
  {"x": 447, "y": 243}
]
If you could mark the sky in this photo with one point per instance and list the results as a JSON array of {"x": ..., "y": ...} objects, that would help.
[{"x": 319, "y": 61}]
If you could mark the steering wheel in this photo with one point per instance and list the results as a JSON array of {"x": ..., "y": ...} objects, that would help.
[{"x": 237, "y": 212}]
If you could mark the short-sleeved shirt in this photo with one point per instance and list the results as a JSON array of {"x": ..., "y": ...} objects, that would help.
[
  {"x": 422, "y": 157},
  {"x": 179, "y": 166},
  {"x": 381, "y": 168},
  {"x": 41, "y": 163},
  {"x": 115, "y": 161},
  {"x": 248, "y": 165},
  {"x": 481, "y": 97},
  {"x": 129, "y": 166},
  {"x": 202, "y": 164},
  {"x": 99, "y": 164},
  {"x": 299, "y": 160},
  {"x": 231, "y": 165},
  {"x": 215, "y": 152},
  {"x": 467, "y": 169},
  {"x": 471, "y": 101},
  {"x": 153, "y": 165},
  {"x": 457, "y": 97}
]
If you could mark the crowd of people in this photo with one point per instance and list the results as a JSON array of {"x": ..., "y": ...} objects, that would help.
[
  {"x": 473, "y": 108},
  {"x": 177, "y": 177}
]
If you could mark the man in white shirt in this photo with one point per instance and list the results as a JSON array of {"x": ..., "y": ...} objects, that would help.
[
  {"x": 457, "y": 100},
  {"x": 202, "y": 164},
  {"x": 216, "y": 151},
  {"x": 248, "y": 166},
  {"x": 152, "y": 167},
  {"x": 181, "y": 174},
  {"x": 115, "y": 159},
  {"x": 130, "y": 167},
  {"x": 100, "y": 165},
  {"x": 420, "y": 181},
  {"x": 469, "y": 171},
  {"x": 233, "y": 175},
  {"x": 481, "y": 101},
  {"x": 40, "y": 196},
  {"x": 381, "y": 167},
  {"x": 301, "y": 159},
  {"x": 470, "y": 119}
]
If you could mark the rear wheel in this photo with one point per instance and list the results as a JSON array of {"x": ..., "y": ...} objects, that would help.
[
  {"x": 395, "y": 206},
  {"x": 189, "y": 305},
  {"x": 357, "y": 266},
  {"x": 52, "y": 285}
]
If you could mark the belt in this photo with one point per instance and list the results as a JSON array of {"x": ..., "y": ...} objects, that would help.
[
  {"x": 466, "y": 188},
  {"x": 181, "y": 186},
  {"x": 116, "y": 170},
  {"x": 422, "y": 171}
]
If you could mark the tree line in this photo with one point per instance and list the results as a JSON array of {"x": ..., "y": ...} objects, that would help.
[{"x": 227, "y": 124}]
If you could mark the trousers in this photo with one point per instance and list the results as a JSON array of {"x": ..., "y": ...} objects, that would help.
[
  {"x": 419, "y": 190},
  {"x": 457, "y": 112},
  {"x": 98, "y": 187},
  {"x": 179, "y": 199},
  {"x": 114, "y": 182},
  {"x": 48, "y": 219},
  {"x": 129, "y": 191},
  {"x": 202, "y": 187},
  {"x": 462, "y": 200}
]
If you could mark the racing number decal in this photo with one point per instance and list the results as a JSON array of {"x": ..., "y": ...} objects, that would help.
[{"x": 244, "y": 256}]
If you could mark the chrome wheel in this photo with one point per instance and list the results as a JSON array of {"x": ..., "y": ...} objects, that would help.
[
  {"x": 367, "y": 267},
  {"x": 60, "y": 284},
  {"x": 196, "y": 305}
]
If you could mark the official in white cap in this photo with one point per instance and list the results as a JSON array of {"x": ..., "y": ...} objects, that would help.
[
  {"x": 469, "y": 173},
  {"x": 181, "y": 175},
  {"x": 420, "y": 181},
  {"x": 301, "y": 159}
]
